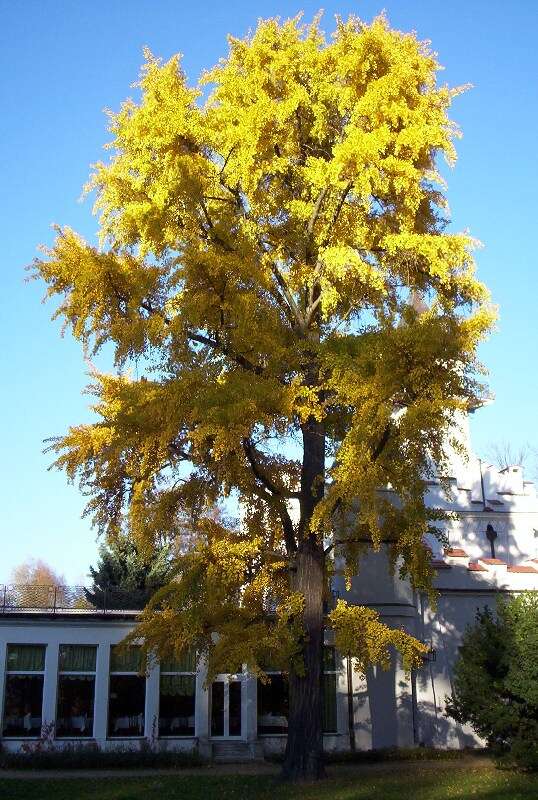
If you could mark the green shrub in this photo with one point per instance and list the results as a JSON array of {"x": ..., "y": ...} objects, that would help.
[
  {"x": 389, "y": 754},
  {"x": 87, "y": 757},
  {"x": 396, "y": 754},
  {"x": 495, "y": 687}
]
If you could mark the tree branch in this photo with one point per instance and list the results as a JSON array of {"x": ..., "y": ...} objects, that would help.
[
  {"x": 288, "y": 295},
  {"x": 287, "y": 525},
  {"x": 273, "y": 495},
  {"x": 317, "y": 208},
  {"x": 211, "y": 232},
  {"x": 311, "y": 310},
  {"x": 146, "y": 305},
  {"x": 225, "y": 161},
  {"x": 239, "y": 359},
  {"x": 177, "y": 451},
  {"x": 220, "y": 199},
  {"x": 361, "y": 540},
  {"x": 265, "y": 480},
  {"x": 338, "y": 210},
  {"x": 378, "y": 449}
]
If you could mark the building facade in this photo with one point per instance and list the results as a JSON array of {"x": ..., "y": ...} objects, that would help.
[{"x": 64, "y": 678}]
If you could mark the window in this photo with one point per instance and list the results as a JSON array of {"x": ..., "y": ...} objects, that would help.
[
  {"x": 76, "y": 690},
  {"x": 127, "y": 694},
  {"x": 273, "y": 698},
  {"x": 23, "y": 707},
  {"x": 273, "y": 704},
  {"x": 177, "y": 696}
]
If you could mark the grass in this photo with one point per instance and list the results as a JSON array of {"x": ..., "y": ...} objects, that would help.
[{"x": 416, "y": 781}]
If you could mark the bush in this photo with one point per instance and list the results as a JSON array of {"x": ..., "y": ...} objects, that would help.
[
  {"x": 389, "y": 754},
  {"x": 77, "y": 757},
  {"x": 398, "y": 754},
  {"x": 495, "y": 687}
]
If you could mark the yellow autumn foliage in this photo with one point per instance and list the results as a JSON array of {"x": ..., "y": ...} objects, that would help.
[{"x": 261, "y": 235}]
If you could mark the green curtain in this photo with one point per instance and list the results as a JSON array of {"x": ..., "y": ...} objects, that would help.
[
  {"x": 77, "y": 657},
  {"x": 329, "y": 703},
  {"x": 26, "y": 657},
  {"x": 186, "y": 662},
  {"x": 183, "y": 685},
  {"x": 125, "y": 659}
]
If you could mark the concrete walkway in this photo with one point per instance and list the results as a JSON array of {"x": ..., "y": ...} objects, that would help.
[{"x": 254, "y": 768}]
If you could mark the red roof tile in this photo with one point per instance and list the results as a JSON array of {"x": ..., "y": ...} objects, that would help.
[
  {"x": 521, "y": 568},
  {"x": 474, "y": 566},
  {"x": 493, "y": 561},
  {"x": 455, "y": 552}
]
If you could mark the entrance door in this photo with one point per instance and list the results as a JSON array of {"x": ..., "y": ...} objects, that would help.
[{"x": 226, "y": 707}]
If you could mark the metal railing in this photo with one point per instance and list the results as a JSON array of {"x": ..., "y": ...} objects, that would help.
[
  {"x": 35, "y": 598},
  {"x": 79, "y": 599}
]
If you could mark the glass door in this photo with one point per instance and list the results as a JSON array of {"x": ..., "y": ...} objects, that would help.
[{"x": 226, "y": 707}]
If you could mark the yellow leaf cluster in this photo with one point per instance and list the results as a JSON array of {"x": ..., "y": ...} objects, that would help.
[{"x": 359, "y": 632}]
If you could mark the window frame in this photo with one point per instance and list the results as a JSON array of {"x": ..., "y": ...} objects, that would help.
[
  {"x": 269, "y": 673},
  {"x": 334, "y": 672},
  {"x": 186, "y": 673},
  {"x": 127, "y": 673},
  {"x": 29, "y": 672},
  {"x": 76, "y": 673},
  {"x": 324, "y": 672}
]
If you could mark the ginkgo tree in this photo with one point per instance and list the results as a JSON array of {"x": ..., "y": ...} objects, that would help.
[{"x": 261, "y": 235}]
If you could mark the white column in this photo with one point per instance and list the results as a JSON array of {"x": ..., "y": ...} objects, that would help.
[
  {"x": 342, "y": 708},
  {"x": 101, "y": 692},
  {"x": 201, "y": 711},
  {"x": 404, "y": 705},
  {"x": 362, "y": 714},
  {"x": 151, "y": 712},
  {"x": 249, "y": 713},
  {"x": 3, "y": 651},
  {"x": 50, "y": 683}
]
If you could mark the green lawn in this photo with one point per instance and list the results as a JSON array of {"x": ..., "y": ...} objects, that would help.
[{"x": 414, "y": 782}]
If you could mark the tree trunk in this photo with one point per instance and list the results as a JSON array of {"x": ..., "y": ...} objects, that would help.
[{"x": 304, "y": 749}]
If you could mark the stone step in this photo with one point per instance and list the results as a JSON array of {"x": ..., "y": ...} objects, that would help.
[{"x": 231, "y": 752}]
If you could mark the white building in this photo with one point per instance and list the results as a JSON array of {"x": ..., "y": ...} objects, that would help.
[{"x": 62, "y": 676}]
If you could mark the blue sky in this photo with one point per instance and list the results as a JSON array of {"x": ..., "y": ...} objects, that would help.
[{"x": 63, "y": 61}]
